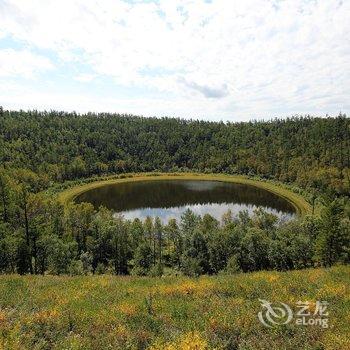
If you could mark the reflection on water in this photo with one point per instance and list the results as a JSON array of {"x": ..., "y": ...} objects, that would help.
[{"x": 170, "y": 198}]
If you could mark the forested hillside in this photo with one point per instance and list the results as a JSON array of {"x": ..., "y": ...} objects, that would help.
[
  {"x": 59, "y": 146},
  {"x": 39, "y": 235}
]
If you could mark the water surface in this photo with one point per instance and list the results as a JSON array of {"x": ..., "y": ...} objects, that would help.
[{"x": 170, "y": 198}]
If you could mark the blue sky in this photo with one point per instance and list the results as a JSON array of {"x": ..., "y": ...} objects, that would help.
[{"x": 215, "y": 60}]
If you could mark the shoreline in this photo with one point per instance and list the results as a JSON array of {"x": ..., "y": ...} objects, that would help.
[{"x": 300, "y": 204}]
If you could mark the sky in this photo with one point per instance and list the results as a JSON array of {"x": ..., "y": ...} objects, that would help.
[{"x": 215, "y": 60}]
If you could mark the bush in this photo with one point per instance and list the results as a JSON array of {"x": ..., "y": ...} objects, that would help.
[
  {"x": 100, "y": 269},
  {"x": 191, "y": 267},
  {"x": 156, "y": 270},
  {"x": 232, "y": 266},
  {"x": 76, "y": 268}
]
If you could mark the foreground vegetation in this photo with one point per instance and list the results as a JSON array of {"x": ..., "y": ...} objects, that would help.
[{"x": 106, "y": 312}]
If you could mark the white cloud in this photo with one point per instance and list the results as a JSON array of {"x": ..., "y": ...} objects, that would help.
[
  {"x": 22, "y": 63},
  {"x": 85, "y": 78},
  {"x": 207, "y": 91},
  {"x": 260, "y": 57}
]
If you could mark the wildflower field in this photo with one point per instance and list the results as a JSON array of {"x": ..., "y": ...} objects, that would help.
[{"x": 221, "y": 312}]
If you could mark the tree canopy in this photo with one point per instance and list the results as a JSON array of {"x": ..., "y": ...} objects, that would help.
[{"x": 38, "y": 235}]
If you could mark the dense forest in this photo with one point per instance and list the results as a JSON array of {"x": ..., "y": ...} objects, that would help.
[
  {"x": 41, "y": 149},
  {"x": 58, "y": 146}
]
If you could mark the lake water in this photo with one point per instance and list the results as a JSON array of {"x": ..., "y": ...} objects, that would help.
[{"x": 170, "y": 198}]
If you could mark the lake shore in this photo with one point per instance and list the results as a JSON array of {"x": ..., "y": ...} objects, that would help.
[{"x": 300, "y": 204}]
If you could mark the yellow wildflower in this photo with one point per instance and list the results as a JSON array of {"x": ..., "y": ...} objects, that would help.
[
  {"x": 127, "y": 309},
  {"x": 189, "y": 341}
]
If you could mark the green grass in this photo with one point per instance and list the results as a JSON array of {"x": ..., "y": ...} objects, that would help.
[
  {"x": 300, "y": 204},
  {"x": 108, "y": 312}
]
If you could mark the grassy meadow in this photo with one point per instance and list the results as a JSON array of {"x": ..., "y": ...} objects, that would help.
[{"x": 109, "y": 312}]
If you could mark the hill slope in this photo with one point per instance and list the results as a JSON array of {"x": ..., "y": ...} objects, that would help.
[
  {"x": 60, "y": 146},
  {"x": 220, "y": 312}
]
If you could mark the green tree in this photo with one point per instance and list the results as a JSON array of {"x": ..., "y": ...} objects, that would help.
[
  {"x": 254, "y": 247},
  {"x": 195, "y": 260},
  {"x": 142, "y": 259},
  {"x": 120, "y": 246},
  {"x": 332, "y": 241}
]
